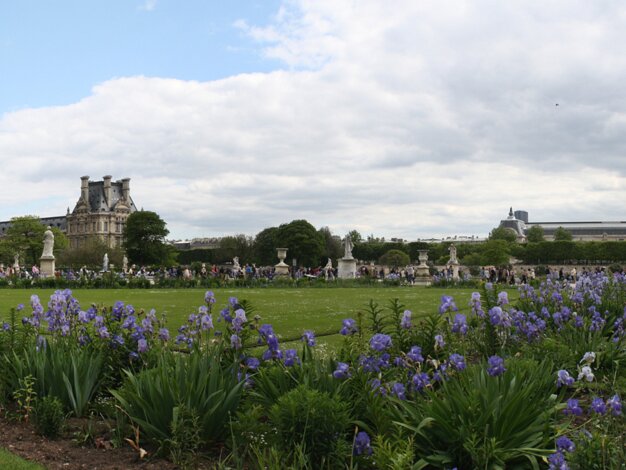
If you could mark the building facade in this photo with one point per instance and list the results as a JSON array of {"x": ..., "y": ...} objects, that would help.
[
  {"x": 101, "y": 211},
  {"x": 518, "y": 223}
]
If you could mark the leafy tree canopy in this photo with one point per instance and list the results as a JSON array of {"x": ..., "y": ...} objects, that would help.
[
  {"x": 265, "y": 246},
  {"x": 144, "y": 239},
  {"x": 501, "y": 233},
  {"x": 303, "y": 241},
  {"x": 562, "y": 235},
  {"x": 25, "y": 237},
  {"x": 395, "y": 258},
  {"x": 535, "y": 234}
]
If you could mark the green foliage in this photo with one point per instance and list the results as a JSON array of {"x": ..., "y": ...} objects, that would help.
[
  {"x": 71, "y": 374},
  {"x": 90, "y": 254},
  {"x": 332, "y": 244},
  {"x": 560, "y": 235},
  {"x": 185, "y": 440},
  {"x": 237, "y": 245},
  {"x": 502, "y": 233},
  {"x": 144, "y": 239},
  {"x": 303, "y": 241},
  {"x": 49, "y": 416},
  {"x": 479, "y": 421},
  {"x": 314, "y": 419},
  {"x": 496, "y": 252},
  {"x": 265, "y": 244},
  {"x": 25, "y": 236},
  {"x": 198, "y": 381},
  {"x": 535, "y": 234},
  {"x": 394, "y": 258},
  {"x": 25, "y": 396}
]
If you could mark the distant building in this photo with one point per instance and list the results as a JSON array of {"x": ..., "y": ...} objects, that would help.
[
  {"x": 518, "y": 223},
  {"x": 101, "y": 211}
]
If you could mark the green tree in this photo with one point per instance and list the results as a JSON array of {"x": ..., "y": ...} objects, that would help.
[
  {"x": 355, "y": 237},
  {"x": 495, "y": 252},
  {"x": 304, "y": 242},
  {"x": 395, "y": 258},
  {"x": 144, "y": 239},
  {"x": 502, "y": 233},
  {"x": 562, "y": 235},
  {"x": 332, "y": 244},
  {"x": 238, "y": 245},
  {"x": 90, "y": 255},
  {"x": 535, "y": 234},
  {"x": 25, "y": 237},
  {"x": 265, "y": 246}
]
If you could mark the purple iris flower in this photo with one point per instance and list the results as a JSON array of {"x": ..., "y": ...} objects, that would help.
[
  {"x": 342, "y": 371},
  {"x": 406, "y": 320},
  {"x": 291, "y": 358},
  {"x": 362, "y": 444},
  {"x": 457, "y": 361},
  {"x": 349, "y": 327},
  {"x": 380, "y": 342},
  {"x": 573, "y": 408},
  {"x": 309, "y": 338},
  {"x": 598, "y": 406},
  {"x": 415, "y": 354},
  {"x": 564, "y": 444},
  {"x": 563, "y": 378},
  {"x": 615, "y": 404},
  {"x": 496, "y": 366}
]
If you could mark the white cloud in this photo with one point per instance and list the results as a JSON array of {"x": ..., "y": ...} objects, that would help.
[
  {"x": 148, "y": 5},
  {"x": 409, "y": 119}
]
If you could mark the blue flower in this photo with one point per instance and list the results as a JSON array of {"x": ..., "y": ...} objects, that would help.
[
  {"x": 460, "y": 324},
  {"x": 496, "y": 366},
  {"x": 598, "y": 406},
  {"x": 362, "y": 445},
  {"x": 615, "y": 404},
  {"x": 380, "y": 342},
  {"x": 573, "y": 408},
  {"x": 415, "y": 354},
  {"x": 439, "y": 342},
  {"x": 457, "y": 361},
  {"x": 349, "y": 327},
  {"x": 557, "y": 461},
  {"x": 447, "y": 304},
  {"x": 406, "y": 320},
  {"x": 209, "y": 297},
  {"x": 342, "y": 371},
  {"x": 563, "y": 444},
  {"x": 503, "y": 298},
  {"x": 309, "y": 338},
  {"x": 235, "y": 341},
  {"x": 291, "y": 357},
  {"x": 164, "y": 334},
  {"x": 252, "y": 363},
  {"x": 563, "y": 378},
  {"x": 142, "y": 345},
  {"x": 399, "y": 390},
  {"x": 420, "y": 380}
]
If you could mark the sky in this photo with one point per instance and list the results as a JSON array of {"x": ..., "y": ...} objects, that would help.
[{"x": 410, "y": 119}]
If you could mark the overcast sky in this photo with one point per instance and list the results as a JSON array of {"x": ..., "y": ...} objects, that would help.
[{"x": 407, "y": 119}]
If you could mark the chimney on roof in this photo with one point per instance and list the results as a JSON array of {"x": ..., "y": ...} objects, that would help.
[
  {"x": 84, "y": 189},
  {"x": 126, "y": 189},
  {"x": 107, "y": 189}
]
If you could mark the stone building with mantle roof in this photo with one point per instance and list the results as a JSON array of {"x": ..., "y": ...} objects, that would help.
[{"x": 101, "y": 211}]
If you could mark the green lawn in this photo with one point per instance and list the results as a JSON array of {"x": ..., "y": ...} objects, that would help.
[
  {"x": 9, "y": 460},
  {"x": 289, "y": 310}
]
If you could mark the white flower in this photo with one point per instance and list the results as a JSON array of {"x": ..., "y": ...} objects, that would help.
[
  {"x": 586, "y": 373},
  {"x": 588, "y": 358}
]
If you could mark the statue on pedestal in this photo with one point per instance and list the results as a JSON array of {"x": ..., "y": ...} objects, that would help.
[
  {"x": 452, "y": 250},
  {"x": 347, "y": 247},
  {"x": 48, "y": 243},
  {"x": 105, "y": 262}
]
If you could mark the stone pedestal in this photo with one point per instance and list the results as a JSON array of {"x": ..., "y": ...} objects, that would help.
[
  {"x": 282, "y": 268},
  {"x": 347, "y": 268},
  {"x": 422, "y": 272},
  {"x": 455, "y": 271},
  {"x": 47, "y": 267}
]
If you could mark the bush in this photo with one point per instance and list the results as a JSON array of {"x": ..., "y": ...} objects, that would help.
[
  {"x": 49, "y": 416},
  {"x": 315, "y": 420}
]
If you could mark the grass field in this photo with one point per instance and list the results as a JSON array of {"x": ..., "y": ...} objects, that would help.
[
  {"x": 290, "y": 311},
  {"x": 13, "y": 462}
]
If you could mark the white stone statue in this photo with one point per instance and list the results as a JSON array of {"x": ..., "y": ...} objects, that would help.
[
  {"x": 16, "y": 262},
  {"x": 347, "y": 247},
  {"x": 48, "y": 243},
  {"x": 236, "y": 266},
  {"x": 452, "y": 250},
  {"x": 125, "y": 264},
  {"x": 105, "y": 262},
  {"x": 329, "y": 265}
]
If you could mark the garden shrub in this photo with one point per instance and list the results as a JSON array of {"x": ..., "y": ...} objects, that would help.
[
  {"x": 314, "y": 419},
  {"x": 49, "y": 416}
]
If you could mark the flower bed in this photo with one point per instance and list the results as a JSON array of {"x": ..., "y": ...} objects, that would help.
[{"x": 533, "y": 384}]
